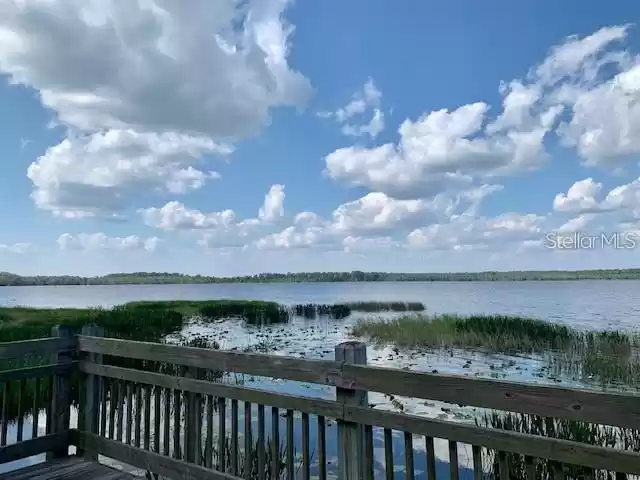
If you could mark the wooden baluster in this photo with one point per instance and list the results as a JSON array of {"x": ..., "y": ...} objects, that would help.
[
  {"x": 157, "y": 407},
  {"x": 262, "y": 468},
  {"x": 453, "y": 460},
  {"x": 503, "y": 466},
  {"x": 22, "y": 393},
  {"x": 388, "y": 453},
  {"x": 275, "y": 443},
  {"x": 306, "y": 460},
  {"x": 113, "y": 400},
  {"x": 129, "y": 386},
  {"x": 234, "y": 437},
  {"x": 290, "y": 446},
  {"x": 431, "y": 458},
  {"x": 147, "y": 417},
  {"x": 477, "y": 462},
  {"x": 222, "y": 434},
  {"x": 177, "y": 412},
  {"x": 322, "y": 448},
  {"x": 120, "y": 409},
  {"x": 408, "y": 455},
  {"x": 137, "y": 433},
  {"x": 208, "y": 448},
  {"x": 104, "y": 388},
  {"x": 248, "y": 440},
  {"x": 5, "y": 413},
  {"x": 368, "y": 452},
  {"x": 166, "y": 450},
  {"x": 35, "y": 409},
  {"x": 530, "y": 467}
]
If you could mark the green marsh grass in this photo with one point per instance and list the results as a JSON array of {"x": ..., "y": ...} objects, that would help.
[{"x": 610, "y": 358}]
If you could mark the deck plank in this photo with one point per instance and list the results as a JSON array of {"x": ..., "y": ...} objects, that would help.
[{"x": 72, "y": 468}]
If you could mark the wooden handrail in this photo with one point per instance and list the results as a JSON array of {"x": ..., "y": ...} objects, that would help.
[{"x": 616, "y": 409}]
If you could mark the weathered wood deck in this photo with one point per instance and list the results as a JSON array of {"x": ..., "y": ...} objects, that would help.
[{"x": 71, "y": 468}]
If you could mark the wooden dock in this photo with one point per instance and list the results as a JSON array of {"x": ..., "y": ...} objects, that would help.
[
  {"x": 71, "y": 468},
  {"x": 164, "y": 409}
]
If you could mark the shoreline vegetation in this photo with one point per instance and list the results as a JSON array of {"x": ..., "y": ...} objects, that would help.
[{"x": 165, "y": 278}]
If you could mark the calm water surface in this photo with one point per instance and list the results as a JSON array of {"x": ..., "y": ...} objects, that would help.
[{"x": 587, "y": 304}]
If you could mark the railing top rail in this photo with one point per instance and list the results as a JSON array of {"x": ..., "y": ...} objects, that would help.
[
  {"x": 39, "y": 347},
  {"x": 617, "y": 409}
]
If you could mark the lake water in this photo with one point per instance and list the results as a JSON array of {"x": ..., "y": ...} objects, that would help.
[
  {"x": 581, "y": 304},
  {"x": 587, "y": 304}
]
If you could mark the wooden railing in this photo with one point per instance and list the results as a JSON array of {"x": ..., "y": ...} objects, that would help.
[{"x": 166, "y": 409}]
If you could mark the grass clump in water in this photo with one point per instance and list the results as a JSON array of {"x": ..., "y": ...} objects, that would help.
[
  {"x": 497, "y": 333},
  {"x": 386, "y": 306}
]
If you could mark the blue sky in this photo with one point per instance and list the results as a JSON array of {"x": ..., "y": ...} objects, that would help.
[{"x": 236, "y": 137}]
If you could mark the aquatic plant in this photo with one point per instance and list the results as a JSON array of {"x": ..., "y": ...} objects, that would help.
[
  {"x": 592, "y": 434},
  {"x": 386, "y": 306}
]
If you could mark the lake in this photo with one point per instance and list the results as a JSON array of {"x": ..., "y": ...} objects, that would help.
[
  {"x": 593, "y": 304},
  {"x": 582, "y": 304}
]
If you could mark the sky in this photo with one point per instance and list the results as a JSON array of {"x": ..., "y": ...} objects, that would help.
[{"x": 232, "y": 137}]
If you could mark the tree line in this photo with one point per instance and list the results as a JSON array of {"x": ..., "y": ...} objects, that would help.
[{"x": 10, "y": 279}]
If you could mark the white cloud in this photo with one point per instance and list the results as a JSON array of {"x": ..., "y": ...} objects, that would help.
[
  {"x": 465, "y": 232},
  {"x": 152, "y": 86},
  {"x": 364, "y": 102},
  {"x": 580, "y": 198},
  {"x": 100, "y": 241},
  {"x": 18, "y": 248},
  {"x": 576, "y": 224},
  {"x": 441, "y": 149},
  {"x": 104, "y": 172},
  {"x": 175, "y": 216},
  {"x": 202, "y": 68},
  {"x": 273, "y": 206},
  {"x": 451, "y": 149},
  {"x": 378, "y": 212},
  {"x": 288, "y": 238}
]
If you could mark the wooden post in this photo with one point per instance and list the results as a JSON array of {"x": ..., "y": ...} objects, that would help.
[
  {"x": 351, "y": 452},
  {"x": 191, "y": 421},
  {"x": 60, "y": 395},
  {"x": 92, "y": 389}
]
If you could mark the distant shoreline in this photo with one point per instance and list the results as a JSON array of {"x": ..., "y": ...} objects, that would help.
[{"x": 156, "y": 278}]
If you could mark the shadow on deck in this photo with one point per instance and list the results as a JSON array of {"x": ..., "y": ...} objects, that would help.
[{"x": 71, "y": 468}]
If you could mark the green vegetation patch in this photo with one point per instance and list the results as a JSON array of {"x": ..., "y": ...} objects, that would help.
[{"x": 608, "y": 357}]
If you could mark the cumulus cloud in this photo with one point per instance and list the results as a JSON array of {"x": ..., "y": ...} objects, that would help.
[
  {"x": 351, "y": 117},
  {"x": 465, "y": 232},
  {"x": 289, "y": 238},
  {"x": 580, "y": 198},
  {"x": 100, "y": 242},
  {"x": 171, "y": 82},
  {"x": 204, "y": 68},
  {"x": 273, "y": 206},
  {"x": 451, "y": 149},
  {"x": 102, "y": 173}
]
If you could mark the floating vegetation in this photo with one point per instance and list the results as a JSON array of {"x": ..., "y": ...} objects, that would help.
[
  {"x": 343, "y": 310},
  {"x": 592, "y": 434},
  {"x": 386, "y": 306}
]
